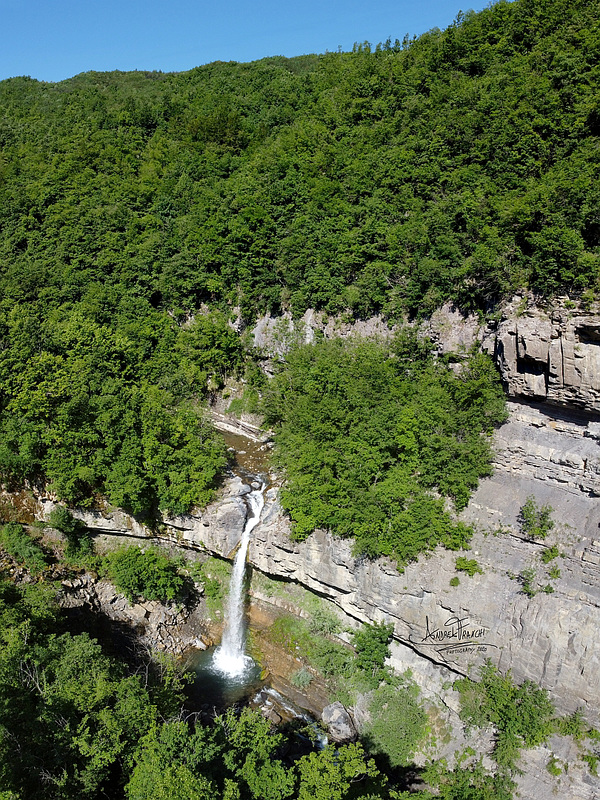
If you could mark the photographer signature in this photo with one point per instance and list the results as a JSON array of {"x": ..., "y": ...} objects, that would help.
[{"x": 456, "y": 636}]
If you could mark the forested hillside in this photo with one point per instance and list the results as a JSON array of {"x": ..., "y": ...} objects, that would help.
[
  {"x": 146, "y": 220},
  {"x": 460, "y": 166}
]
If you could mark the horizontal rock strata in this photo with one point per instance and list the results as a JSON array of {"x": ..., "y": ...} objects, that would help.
[{"x": 442, "y": 630}]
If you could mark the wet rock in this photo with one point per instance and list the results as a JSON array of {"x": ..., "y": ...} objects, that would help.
[{"x": 272, "y": 716}]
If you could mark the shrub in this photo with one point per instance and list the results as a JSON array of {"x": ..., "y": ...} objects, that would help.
[
  {"x": 549, "y": 554},
  {"x": 470, "y": 566},
  {"x": 62, "y": 519},
  {"x": 526, "y": 579},
  {"x": 573, "y": 725},
  {"x": 21, "y": 547},
  {"x": 553, "y": 767},
  {"x": 535, "y": 520},
  {"x": 398, "y": 723},
  {"x": 454, "y": 581},
  {"x": 371, "y": 643},
  {"x": 324, "y": 621},
  {"x": 473, "y": 783},
  {"x": 149, "y": 574},
  {"x": 331, "y": 658},
  {"x": 79, "y": 543},
  {"x": 301, "y": 679},
  {"x": 554, "y": 573},
  {"x": 523, "y": 715},
  {"x": 592, "y": 762}
]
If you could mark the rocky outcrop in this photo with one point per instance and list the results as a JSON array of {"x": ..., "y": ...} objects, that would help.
[
  {"x": 158, "y": 627},
  {"x": 550, "y": 354},
  {"x": 338, "y": 723},
  {"x": 273, "y": 336}
]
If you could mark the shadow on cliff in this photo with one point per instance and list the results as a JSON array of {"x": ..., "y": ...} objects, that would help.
[
  {"x": 408, "y": 778},
  {"x": 117, "y": 639}
]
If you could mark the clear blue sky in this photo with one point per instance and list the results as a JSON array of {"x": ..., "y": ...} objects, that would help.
[{"x": 55, "y": 39}]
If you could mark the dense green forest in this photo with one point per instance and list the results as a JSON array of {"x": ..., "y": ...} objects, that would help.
[
  {"x": 365, "y": 430},
  {"x": 141, "y": 216},
  {"x": 461, "y": 165},
  {"x": 141, "y": 212}
]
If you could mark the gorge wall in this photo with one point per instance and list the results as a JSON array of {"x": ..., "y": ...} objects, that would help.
[
  {"x": 549, "y": 361},
  {"x": 546, "y": 450}
]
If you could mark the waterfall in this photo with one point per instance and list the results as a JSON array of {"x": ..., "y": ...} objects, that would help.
[{"x": 229, "y": 657}]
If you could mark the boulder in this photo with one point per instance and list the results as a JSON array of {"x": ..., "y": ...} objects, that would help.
[{"x": 339, "y": 723}]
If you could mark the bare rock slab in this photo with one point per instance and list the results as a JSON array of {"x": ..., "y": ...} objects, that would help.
[{"x": 339, "y": 723}]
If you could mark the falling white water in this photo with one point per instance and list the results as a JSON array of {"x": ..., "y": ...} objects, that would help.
[{"x": 229, "y": 657}]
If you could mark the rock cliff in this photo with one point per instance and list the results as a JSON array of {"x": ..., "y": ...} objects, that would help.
[
  {"x": 442, "y": 630},
  {"x": 549, "y": 354}
]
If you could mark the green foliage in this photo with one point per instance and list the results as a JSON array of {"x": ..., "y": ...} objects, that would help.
[
  {"x": 214, "y": 574},
  {"x": 522, "y": 715},
  {"x": 592, "y": 761},
  {"x": 473, "y": 783},
  {"x": 553, "y": 767},
  {"x": 64, "y": 521},
  {"x": 455, "y": 581},
  {"x": 93, "y": 408},
  {"x": 371, "y": 642},
  {"x": 536, "y": 522},
  {"x": 389, "y": 178},
  {"x": 79, "y": 543},
  {"x": 398, "y": 723},
  {"x": 527, "y": 581},
  {"x": 334, "y": 773},
  {"x": 549, "y": 554},
  {"x": 365, "y": 430},
  {"x": 554, "y": 573},
  {"x": 21, "y": 547},
  {"x": 328, "y": 657},
  {"x": 470, "y": 566},
  {"x": 75, "y": 725},
  {"x": 324, "y": 621},
  {"x": 572, "y": 725},
  {"x": 301, "y": 679},
  {"x": 237, "y": 758},
  {"x": 70, "y": 717},
  {"x": 249, "y": 403},
  {"x": 144, "y": 574}
]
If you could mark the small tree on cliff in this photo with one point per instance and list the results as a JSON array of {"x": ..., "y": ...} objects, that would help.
[
  {"x": 372, "y": 645},
  {"x": 535, "y": 521}
]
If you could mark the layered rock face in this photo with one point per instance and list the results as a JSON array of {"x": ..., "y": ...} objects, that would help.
[
  {"x": 547, "y": 354},
  {"x": 548, "y": 449},
  {"x": 551, "y": 355}
]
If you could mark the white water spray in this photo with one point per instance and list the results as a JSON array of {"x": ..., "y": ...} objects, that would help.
[{"x": 229, "y": 657}]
